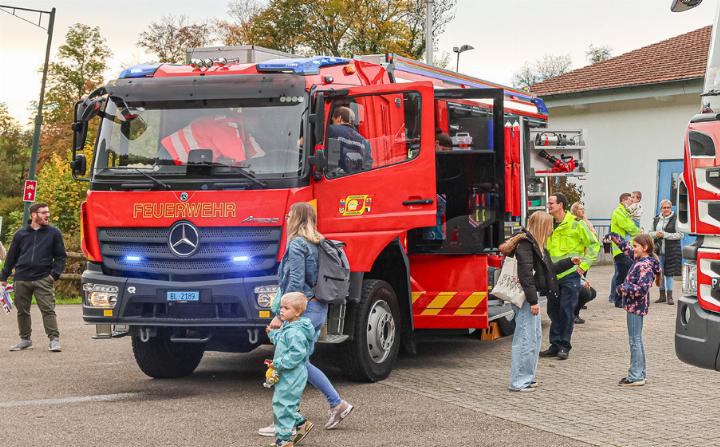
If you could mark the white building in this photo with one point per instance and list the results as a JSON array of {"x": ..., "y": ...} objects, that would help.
[{"x": 635, "y": 108}]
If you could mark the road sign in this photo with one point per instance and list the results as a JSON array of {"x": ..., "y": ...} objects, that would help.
[{"x": 29, "y": 191}]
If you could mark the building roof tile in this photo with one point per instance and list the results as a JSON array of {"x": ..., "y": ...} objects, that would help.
[{"x": 678, "y": 58}]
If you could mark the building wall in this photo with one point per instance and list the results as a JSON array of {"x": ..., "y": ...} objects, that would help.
[{"x": 625, "y": 141}]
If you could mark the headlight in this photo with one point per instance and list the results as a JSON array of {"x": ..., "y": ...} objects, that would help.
[
  {"x": 689, "y": 279},
  {"x": 265, "y": 294},
  {"x": 100, "y": 295}
]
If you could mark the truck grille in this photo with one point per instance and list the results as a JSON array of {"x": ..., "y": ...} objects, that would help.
[{"x": 145, "y": 253}]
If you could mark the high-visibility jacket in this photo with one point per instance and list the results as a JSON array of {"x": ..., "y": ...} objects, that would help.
[
  {"x": 573, "y": 238},
  {"x": 622, "y": 224},
  {"x": 224, "y": 136}
]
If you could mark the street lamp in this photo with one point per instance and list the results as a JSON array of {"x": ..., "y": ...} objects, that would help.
[
  {"x": 458, "y": 51},
  {"x": 38, "y": 117}
]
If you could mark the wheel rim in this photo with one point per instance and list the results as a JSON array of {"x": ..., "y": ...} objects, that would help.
[{"x": 380, "y": 332}]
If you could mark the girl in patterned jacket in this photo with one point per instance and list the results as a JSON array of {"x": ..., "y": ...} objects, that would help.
[{"x": 635, "y": 295}]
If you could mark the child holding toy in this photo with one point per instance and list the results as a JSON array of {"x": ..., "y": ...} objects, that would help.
[{"x": 293, "y": 345}]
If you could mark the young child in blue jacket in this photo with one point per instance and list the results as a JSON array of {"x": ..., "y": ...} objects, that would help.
[{"x": 293, "y": 345}]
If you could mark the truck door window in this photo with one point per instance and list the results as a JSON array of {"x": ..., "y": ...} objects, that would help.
[{"x": 373, "y": 131}]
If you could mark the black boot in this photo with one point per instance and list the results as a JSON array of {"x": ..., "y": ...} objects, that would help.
[
  {"x": 662, "y": 297},
  {"x": 669, "y": 298}
]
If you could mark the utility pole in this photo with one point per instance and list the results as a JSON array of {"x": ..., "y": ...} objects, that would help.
[
  {"x": 38, "y": 117},
  {"x": 428, "y": 32}
]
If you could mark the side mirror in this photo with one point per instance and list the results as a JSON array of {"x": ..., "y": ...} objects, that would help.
[
  {"x": 78, "y": 166},
  {"x": 80, "y": 129},
  {"x": 319, "y": 160},
  {"x": 683, "y": 5},
  {"x": 318, "y": 118}
]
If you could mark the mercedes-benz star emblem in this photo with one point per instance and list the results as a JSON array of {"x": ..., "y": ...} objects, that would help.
[
  {"x": 184, "y": 196},
  {"x": 183, "y": 239}
]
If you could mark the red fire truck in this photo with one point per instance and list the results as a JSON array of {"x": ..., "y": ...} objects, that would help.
[
  {"x": 697, "y": 327},
  {"x": 195, "y": 166}
]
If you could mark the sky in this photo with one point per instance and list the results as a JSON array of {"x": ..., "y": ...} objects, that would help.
[{"x": 505, "y": 33}]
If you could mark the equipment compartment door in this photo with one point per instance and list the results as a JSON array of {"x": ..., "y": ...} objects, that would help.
[{"x": 380, "y": 148}]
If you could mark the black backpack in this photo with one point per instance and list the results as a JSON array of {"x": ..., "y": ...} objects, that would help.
[{"x": 333, "y": 282}]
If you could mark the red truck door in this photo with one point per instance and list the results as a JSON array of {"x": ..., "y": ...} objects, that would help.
[{"x": 381, "y": 164}]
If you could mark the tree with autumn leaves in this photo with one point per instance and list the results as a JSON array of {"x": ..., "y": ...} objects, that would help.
[{"x": 320, "y": 27}]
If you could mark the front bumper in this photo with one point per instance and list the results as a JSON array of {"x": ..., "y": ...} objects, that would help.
[
  {"x": 697, "y": 334},
  {"x": 143, "y": 302}
]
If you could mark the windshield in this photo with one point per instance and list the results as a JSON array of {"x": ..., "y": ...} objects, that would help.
[
  {"x": 200, "y": 139},
  {"x": 712, "y": 76}
]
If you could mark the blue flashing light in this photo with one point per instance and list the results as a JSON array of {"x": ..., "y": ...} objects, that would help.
[
  {"x": 139, "y": 71},
  {"x": 541, "y": 105},
  {"x": 241, "y": 258},
  {"x": 132, "y": 258},
  {"x": 303, "y": 66}
]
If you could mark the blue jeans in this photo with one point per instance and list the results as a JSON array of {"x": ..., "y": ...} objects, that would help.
[
  {"x": 562, "y": 312},
  {"x": 525, "y": 347},
  {"x": 666, "y": 282},
  {"x": 316, "y": 312},
  {"x": 637, "y": 350},
  {"x": 613, "y": 284}
]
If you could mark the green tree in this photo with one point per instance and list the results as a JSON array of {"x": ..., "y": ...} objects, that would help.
[
  {"x": 335, "y": 27},
  {"x": 79, "y": 67},
  {"x": 57, "y": 188},
  {"x": 172, "y": 36},
  {"x": 14, "y": 154}
]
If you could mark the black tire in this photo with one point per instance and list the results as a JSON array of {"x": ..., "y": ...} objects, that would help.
[
  {"x": 507, "y": 327},
  {"x": 371, "y": 354},
  {"x": 159, "y": 358}
]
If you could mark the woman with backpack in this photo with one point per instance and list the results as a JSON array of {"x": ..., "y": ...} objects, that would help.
[
  {"x": 536, "y": 275},
  {"x": 298, "y": 272}
]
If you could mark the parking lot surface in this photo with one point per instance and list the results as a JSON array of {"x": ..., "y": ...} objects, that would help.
[{"x": 454, "y": 392}]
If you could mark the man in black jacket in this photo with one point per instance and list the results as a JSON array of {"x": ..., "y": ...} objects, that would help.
[{"x": 37, "y": 253}]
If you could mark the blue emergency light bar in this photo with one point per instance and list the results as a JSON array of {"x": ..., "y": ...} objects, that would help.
[
  {"x": 139, "y": 71},
  {"x": 304, "y": 66}
]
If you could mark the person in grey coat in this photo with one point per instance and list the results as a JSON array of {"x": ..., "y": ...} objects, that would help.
[{"x": 667, "y": 247}]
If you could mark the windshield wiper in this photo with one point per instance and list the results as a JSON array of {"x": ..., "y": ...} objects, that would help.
[
  {"x": 714, "y": 92},
  {"x": 242, "y": 170},
  {"x": 154, "y": 180}
]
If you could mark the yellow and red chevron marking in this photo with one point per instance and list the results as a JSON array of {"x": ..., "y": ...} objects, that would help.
[{"x": 448, "y": 303}]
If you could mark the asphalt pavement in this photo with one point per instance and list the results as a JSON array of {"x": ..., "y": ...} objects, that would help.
[{"x": 93, "y": 394}]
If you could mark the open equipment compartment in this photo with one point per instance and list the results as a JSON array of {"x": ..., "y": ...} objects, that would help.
[{"x": 470, "y": 175}]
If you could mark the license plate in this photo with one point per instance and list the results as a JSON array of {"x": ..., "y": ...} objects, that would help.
[{"x": 183, "y": 296}]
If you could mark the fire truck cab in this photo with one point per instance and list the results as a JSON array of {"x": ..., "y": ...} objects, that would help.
[
  {"x": 697, "y": 327},
  {"x": 195, "y": 166}
]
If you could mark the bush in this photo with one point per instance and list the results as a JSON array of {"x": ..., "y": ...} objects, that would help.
[{"x": 11, "y": 209}]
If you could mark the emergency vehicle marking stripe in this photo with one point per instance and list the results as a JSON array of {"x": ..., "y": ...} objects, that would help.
[
  {"x": 416, "y": 295},
  {"x": 471, "y": 303},
  {"x": 438, "y": 303},
  {"x": 425, "y": 299},
  {"x": 454, "y": 303}
]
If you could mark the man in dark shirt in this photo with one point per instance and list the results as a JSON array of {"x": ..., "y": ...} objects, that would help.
[
  {"x": 37, "y": 253},
  {"x": 354, "y": 149}
]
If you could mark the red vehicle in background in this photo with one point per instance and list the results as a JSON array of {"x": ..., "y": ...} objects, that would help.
[
  {"x": 697, "y": 327},
  {"x": 195, "y": 166}
]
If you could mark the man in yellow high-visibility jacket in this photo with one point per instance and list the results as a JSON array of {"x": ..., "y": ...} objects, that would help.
[
  {"x": 621, "y": 223},
  {"x": 571, "y": 237}
]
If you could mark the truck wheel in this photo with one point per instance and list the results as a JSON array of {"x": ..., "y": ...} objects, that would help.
[
  {"x": 507, "y": 325},
  {"x": 161, "y": 359},
  {"x": 371, "y": 354}
]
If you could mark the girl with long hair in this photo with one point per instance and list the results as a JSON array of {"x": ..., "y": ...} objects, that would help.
[
  {"x": 536, "y": 273},
  {"x": 635, "y": 295},
  {"x": 298, "y": 272}
]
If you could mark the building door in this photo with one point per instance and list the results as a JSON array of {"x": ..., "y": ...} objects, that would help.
[{"x": 669, "y": 172}]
